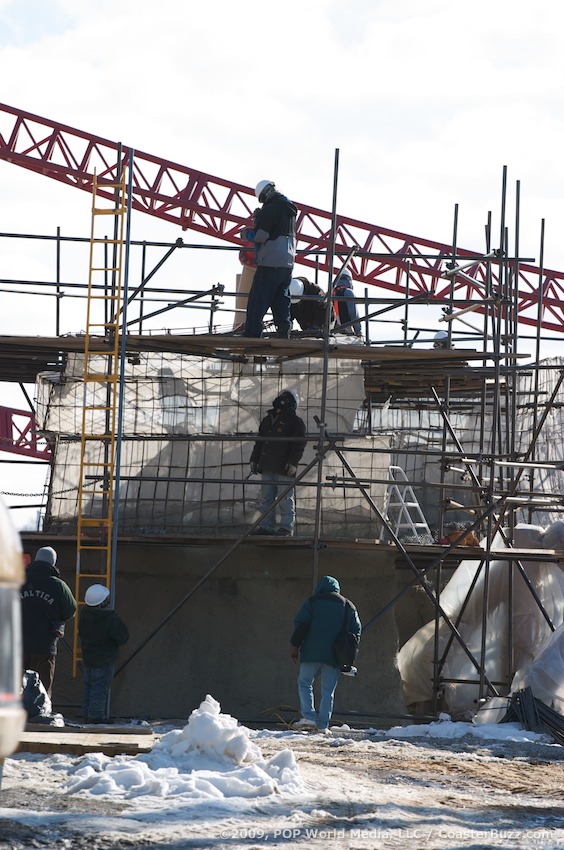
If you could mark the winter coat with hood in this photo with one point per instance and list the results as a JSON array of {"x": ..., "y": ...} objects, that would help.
[
  {"x": 101, "y": 633},
  {"x": 274, "y": 456},
  {"x": 47, "y": 602},
  {"x": 319, "y": 621},
  {"x": 275, "y": 232}
]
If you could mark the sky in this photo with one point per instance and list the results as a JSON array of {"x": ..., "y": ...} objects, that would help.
[
  {"x": 425, "y": 101},
  {"x": 209, "y": 783}
]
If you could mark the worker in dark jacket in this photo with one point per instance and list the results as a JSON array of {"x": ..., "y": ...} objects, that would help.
[
  {"x": 47, "y": 603},
  {"x": 278, "y": 460},
  {"x": 274, "y": 236},
  {"x": 309, "y": 305},
  {"x": 101, "y": 632},
  {"x": 316, "y": 626},
  {"x": 348, "y": 321}
]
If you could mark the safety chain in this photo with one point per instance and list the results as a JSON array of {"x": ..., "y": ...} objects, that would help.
[{"x": 38, "y": 495}]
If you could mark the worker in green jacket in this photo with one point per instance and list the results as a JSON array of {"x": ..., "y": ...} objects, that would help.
[
  {"x": 47, "y": 603},
  {"x": 101, "y": 632},
  {"x": 316, "y": 626}
]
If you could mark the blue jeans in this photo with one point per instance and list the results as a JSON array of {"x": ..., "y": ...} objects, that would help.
[
  {"x": 272, "y": 486},
  {"x": 270, "y": 289},
  {"x": 309, "y": 670},
  {"x": 96, "y": 687}
]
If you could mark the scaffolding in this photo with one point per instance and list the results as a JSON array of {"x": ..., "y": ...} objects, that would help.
[{"x": 476, "y": 434}]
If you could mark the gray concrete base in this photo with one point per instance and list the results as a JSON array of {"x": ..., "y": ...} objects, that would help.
[{"x": 231, "y": 638}]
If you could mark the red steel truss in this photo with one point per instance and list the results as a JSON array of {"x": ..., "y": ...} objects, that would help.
[
  {"x": 216, "y": 207},
  {"x": 18, "y": 434}
]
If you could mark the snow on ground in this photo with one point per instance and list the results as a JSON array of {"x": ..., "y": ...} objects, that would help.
[{"x": 216, "y": 784}]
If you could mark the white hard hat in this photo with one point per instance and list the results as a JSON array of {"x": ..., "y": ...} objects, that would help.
[
  {"x": 260, "y": 187},
  {"x": 440, "y": 339},
  {"x": 296, "y": 290},
  {"x": 96, "y": 594},
  {"x": 346, "y": 273}
]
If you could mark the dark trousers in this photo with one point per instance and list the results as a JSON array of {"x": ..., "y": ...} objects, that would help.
[
  {"x": 44, "y": 665},
  {"x": 270, "y": 289}
]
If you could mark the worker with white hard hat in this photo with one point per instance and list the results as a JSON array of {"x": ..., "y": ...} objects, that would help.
[
  {"x": 441, "y": 342},
  {"x": 308, "y": 305},
  {"x": 101, "y": 632},
  {"x": 274, "y": 236}
]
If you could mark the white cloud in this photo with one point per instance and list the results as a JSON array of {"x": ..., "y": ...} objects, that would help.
[{"x": 426, "y": 101}]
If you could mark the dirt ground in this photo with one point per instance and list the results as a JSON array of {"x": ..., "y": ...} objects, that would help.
[
  {"x": 497, "y": 766},
  {"x": 352, "y": 779}
]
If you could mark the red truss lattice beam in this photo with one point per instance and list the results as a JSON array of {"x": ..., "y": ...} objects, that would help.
[
  {"x": 18, "y": 434},
  {"x": 216, "y": 207}
]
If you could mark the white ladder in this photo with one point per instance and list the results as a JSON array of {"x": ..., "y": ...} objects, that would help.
[{"x": 401, "y": 507}]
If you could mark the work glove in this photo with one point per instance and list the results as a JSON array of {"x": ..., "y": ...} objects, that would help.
[
  {"x": 290, "y": 470},
  {"x": 254, "y": 467},
  {"x": 247, "y": 235}
]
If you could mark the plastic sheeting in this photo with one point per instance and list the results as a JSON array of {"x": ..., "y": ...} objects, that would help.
[
  {"x": 200, "y": 485},
  {"x": 515, "y": 627},
  {"x": 545, "y": 674}
]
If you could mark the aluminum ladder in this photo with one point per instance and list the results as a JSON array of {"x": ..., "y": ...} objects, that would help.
[{"x": 401, "y": 507}]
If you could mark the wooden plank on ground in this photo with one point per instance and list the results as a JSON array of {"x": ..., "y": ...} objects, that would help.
[
  {"x": 78, "y": 743},
  {"x": 116, "y": 730}
]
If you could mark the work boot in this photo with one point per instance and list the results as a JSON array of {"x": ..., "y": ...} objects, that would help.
[
  {"x": 260, "y": 531},
  {"x": 284, "y": 532}
]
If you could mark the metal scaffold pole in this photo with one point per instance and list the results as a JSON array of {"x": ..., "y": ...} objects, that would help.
[{"x": 122, "y": 361}]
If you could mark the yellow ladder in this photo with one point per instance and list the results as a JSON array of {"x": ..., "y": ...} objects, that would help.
[{"x": 100, "y": 401}]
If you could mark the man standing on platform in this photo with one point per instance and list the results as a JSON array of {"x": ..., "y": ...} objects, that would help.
[
  {"x": 277, "y": 460},
  {"x": 274, "y": 237}
]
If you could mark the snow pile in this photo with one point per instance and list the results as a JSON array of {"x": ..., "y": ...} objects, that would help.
[
  {"x": 447, "y": 728},
  {"x": 210, "y": 733},
  {"x": 212, "y": 758}
]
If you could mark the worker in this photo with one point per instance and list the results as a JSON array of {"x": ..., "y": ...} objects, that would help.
[
  {"x": 345, "y": 305},
  {"x": 316, "y": 626},
  {"x": 274, "y": 236},
  {"x": 309, "y": 314},
  {"x": 441, "y": 342},
  {"x": 47, "y": 603},
  {"x": 101, "y": 632},
  {"x": 278, "y": 460}
]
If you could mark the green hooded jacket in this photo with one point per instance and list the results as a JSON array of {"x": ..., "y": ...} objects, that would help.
[{"x": 319, "y": 621}]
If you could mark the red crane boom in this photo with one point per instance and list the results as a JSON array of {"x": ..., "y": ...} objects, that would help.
[
  {"x": 18, "y": 434},
  {"x": 216, "y": 207}
]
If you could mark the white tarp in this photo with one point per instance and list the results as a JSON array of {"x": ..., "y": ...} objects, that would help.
[{"x": 515, "y": 626}]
